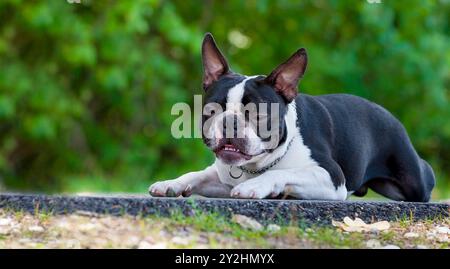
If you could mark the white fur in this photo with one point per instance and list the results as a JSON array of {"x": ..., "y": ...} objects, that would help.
[
  {"x": 312, "y": 183},
  {"x": 205, "y": 182}
]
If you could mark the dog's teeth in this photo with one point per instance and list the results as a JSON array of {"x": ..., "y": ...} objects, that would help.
[{"x": 231, "y": 149}]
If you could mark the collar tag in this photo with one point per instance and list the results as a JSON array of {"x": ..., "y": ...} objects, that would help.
[{"x": 233, "y": 176}]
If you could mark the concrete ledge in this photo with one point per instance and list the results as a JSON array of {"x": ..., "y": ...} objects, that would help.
[{"x": 266, "y": 211}]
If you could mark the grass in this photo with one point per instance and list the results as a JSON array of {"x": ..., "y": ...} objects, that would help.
[
  {"x": 331, "y": 237},
  {"x": 216, "y": 223},
  {"x": 202, "y": 230}
]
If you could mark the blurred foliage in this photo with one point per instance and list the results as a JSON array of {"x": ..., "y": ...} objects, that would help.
[{"x": 86, "y": 89}]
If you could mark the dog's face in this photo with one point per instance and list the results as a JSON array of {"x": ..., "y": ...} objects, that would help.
[{"x": 243, "y": 117}]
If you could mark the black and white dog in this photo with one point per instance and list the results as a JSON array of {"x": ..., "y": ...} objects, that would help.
[{"x": 326, "y": 147}]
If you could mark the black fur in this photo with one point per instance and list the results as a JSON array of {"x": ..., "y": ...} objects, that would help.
[{"x": 360, "y": 143}]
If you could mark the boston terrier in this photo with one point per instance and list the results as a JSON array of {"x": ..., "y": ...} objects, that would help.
[{"x": 325, "y": 147}]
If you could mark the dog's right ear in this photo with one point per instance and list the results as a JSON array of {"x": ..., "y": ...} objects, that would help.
[
  {"x": 287, "y": 75},
  {"x": 214, "y": 63}
]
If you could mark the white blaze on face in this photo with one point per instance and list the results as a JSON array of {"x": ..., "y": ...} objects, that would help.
[
  {"x": 236, "y": 93},
  {"x": 254, "y": 144}
]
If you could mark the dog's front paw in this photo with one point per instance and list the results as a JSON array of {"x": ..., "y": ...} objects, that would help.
[
  {"x": 254, "y": 189},
  {"x": 170, "y": 188}
]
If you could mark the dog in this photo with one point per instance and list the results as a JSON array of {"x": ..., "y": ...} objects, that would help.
[{"x": 327, "y": 147}]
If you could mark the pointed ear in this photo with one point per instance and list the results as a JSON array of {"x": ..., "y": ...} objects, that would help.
[
  {"x": 286, "y": 76},
  {"x": 214, "y": 63}
]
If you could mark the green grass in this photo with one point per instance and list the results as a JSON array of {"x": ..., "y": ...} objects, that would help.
[
  {"x": 330, "y": 236},
  {"x": 216, "y": 223}
]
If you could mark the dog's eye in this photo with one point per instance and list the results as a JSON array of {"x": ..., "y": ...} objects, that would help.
[
  {"x": 211, "y": 110},
  {"x": 210, "y": 114}
]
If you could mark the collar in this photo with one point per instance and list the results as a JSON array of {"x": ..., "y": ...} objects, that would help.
[{"x": 263, "y": 169}]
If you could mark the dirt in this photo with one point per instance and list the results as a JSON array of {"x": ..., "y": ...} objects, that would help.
[{"x": 88, "y": 230}]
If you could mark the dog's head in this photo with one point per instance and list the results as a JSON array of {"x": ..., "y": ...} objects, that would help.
[{"x": 244, "y": 117}]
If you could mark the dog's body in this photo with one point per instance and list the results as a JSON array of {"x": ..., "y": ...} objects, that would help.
[{"x": 327, "y": 147}]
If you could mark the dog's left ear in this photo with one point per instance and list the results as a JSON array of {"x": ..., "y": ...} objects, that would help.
[
  {"x": 214, "y": 63},
  {"x": 286, "y": 76}
]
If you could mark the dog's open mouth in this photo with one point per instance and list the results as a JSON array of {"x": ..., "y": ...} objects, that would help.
[{"x": 231, "y": 154}]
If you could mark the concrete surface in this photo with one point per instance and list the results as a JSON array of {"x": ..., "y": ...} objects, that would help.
[{"x": 266, "y": 211}]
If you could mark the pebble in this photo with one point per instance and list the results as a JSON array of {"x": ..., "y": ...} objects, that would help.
[
  {"x": 5, "y": 221},
  {"x": 273, "y": 228},
  {"x": 442, "y": 238},
  {"x": 247, "y": 222},
  {"x": 180, "y": 240},
  {"x": 89, "y": 226},
  {"x": 145, "y": 245},
  {"x": 373, "y": 243},
  {"x": 442, "y": 230},
  {"x": 411, "y": 235},
  {"x": 87, "y": 214},
  {"x": 4, "y": 230},
  {"x": 36, "y": 229}
]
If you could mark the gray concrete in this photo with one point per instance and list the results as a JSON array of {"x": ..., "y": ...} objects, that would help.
[{"x": 266, "y": 211}]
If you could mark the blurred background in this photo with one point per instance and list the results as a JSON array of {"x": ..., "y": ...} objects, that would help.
[{"x": 86, "y": 89}]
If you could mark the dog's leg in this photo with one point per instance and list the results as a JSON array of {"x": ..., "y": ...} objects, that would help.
[
  {"x": 205, "y": 183},
  {"x": 313, "y": 183}
]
